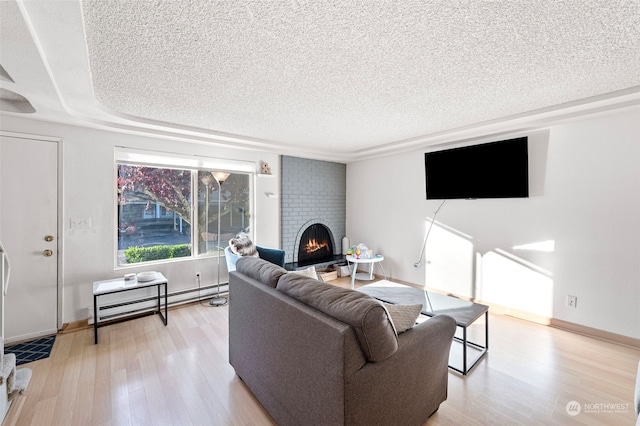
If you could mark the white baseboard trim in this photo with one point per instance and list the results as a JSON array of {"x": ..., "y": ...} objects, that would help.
[{"x": 595, "y": 333}]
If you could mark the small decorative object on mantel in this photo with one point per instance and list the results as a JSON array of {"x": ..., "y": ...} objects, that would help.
[{"x": 265, "y": 168}]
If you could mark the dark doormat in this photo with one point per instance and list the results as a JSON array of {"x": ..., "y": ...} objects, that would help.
[{"x": 33, "y": 350}]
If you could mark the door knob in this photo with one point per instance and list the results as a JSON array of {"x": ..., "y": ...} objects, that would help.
[
  {"x": 48, "y": 253},
  {"x": 48, "y": 238}
]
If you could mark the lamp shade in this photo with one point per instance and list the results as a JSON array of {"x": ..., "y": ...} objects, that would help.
[
  {"x": 221, "y": 176},
  {"x": 207, "y": 179}
]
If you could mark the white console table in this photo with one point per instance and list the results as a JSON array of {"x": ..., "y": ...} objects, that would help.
[
  {"x": 358, "y": 260},
  {"x": 100, "y": 288}
]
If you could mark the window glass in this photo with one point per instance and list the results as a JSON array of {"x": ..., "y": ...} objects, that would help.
[
  {"x": 223, "y": 200},
  {"x": 154, "y": 213},
  {"x": 155, "y": 205}
]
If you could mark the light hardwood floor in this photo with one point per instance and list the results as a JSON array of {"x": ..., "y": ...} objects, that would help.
[{"x": 143, "y": 373}]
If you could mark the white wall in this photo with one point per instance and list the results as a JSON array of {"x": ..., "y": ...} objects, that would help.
[
  {"x": 88, "y": 191},
  {"x": 585, "y": 198}
]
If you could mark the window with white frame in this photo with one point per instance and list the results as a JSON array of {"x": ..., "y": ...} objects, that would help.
[{"x": 175, "y": 207}]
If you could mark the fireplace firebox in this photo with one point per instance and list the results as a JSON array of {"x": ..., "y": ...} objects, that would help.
[{"x": 315, "y": 245}]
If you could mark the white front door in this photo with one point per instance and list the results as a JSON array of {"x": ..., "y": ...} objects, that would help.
[{"x": 28, "y": 232}]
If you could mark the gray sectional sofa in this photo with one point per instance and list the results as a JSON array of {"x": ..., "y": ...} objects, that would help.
[{"x": 317, "y": 354}]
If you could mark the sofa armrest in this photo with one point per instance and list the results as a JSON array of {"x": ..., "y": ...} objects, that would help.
[
  {"x": 413, "y": 381},
  {"x": 275, "y": 256}
]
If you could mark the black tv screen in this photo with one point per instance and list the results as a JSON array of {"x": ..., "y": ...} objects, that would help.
[{"x": 490, "y": 170}]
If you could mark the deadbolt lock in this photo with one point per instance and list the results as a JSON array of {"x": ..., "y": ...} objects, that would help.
[
  {"x": 48, "y": 253},
  {"x": 48, "y": 238}
]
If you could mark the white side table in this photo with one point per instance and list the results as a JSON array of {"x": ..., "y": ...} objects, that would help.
[
  {"x": 118, "y": 285},
  {"x": 362, "y": 276}
]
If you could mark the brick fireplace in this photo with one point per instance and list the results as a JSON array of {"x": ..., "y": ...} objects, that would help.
[{"x": 313, "y": 207}]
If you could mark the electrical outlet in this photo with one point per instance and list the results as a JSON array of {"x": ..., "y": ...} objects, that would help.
[{"x": 572, "y": 301}]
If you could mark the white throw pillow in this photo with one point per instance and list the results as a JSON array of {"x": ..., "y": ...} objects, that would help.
[
  {"x": 403, "y": 317},
  {"x": 309, "y": 272}
]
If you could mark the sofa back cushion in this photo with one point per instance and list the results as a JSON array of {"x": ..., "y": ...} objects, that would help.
[
  {"x": 275, "y": 256},
  {"x": 260, "y": 270},
  {"x": 366, "y": 315}
]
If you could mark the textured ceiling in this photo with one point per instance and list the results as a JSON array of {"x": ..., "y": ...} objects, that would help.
[{"x": 340, "y": 77}]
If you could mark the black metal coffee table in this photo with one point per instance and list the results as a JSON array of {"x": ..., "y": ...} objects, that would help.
[{"x": 464, "y": 312}]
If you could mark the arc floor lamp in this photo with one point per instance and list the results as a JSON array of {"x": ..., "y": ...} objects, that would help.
[{"x": 220, "y": 177}]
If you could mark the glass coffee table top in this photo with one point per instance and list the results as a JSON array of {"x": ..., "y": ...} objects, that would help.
[{"x": 463, "y": 311}]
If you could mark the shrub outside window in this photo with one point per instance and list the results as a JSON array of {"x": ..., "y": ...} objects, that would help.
[{"x": 155, "y": 219}]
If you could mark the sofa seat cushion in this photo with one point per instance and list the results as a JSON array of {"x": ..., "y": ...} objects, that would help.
[
  {"x": 260, "y": 270},
  {"x": 366, "y": 315}
]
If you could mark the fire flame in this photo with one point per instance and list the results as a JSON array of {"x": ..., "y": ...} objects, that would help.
[{"x": 313, "y": 245}]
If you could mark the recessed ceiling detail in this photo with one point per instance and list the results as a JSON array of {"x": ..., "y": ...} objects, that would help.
[
  {"x": 13, "y": 102},
  {"x": 4, "y": 75}
]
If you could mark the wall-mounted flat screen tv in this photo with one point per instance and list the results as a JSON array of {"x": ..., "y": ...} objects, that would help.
[{"x": 490, "y": 170}]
